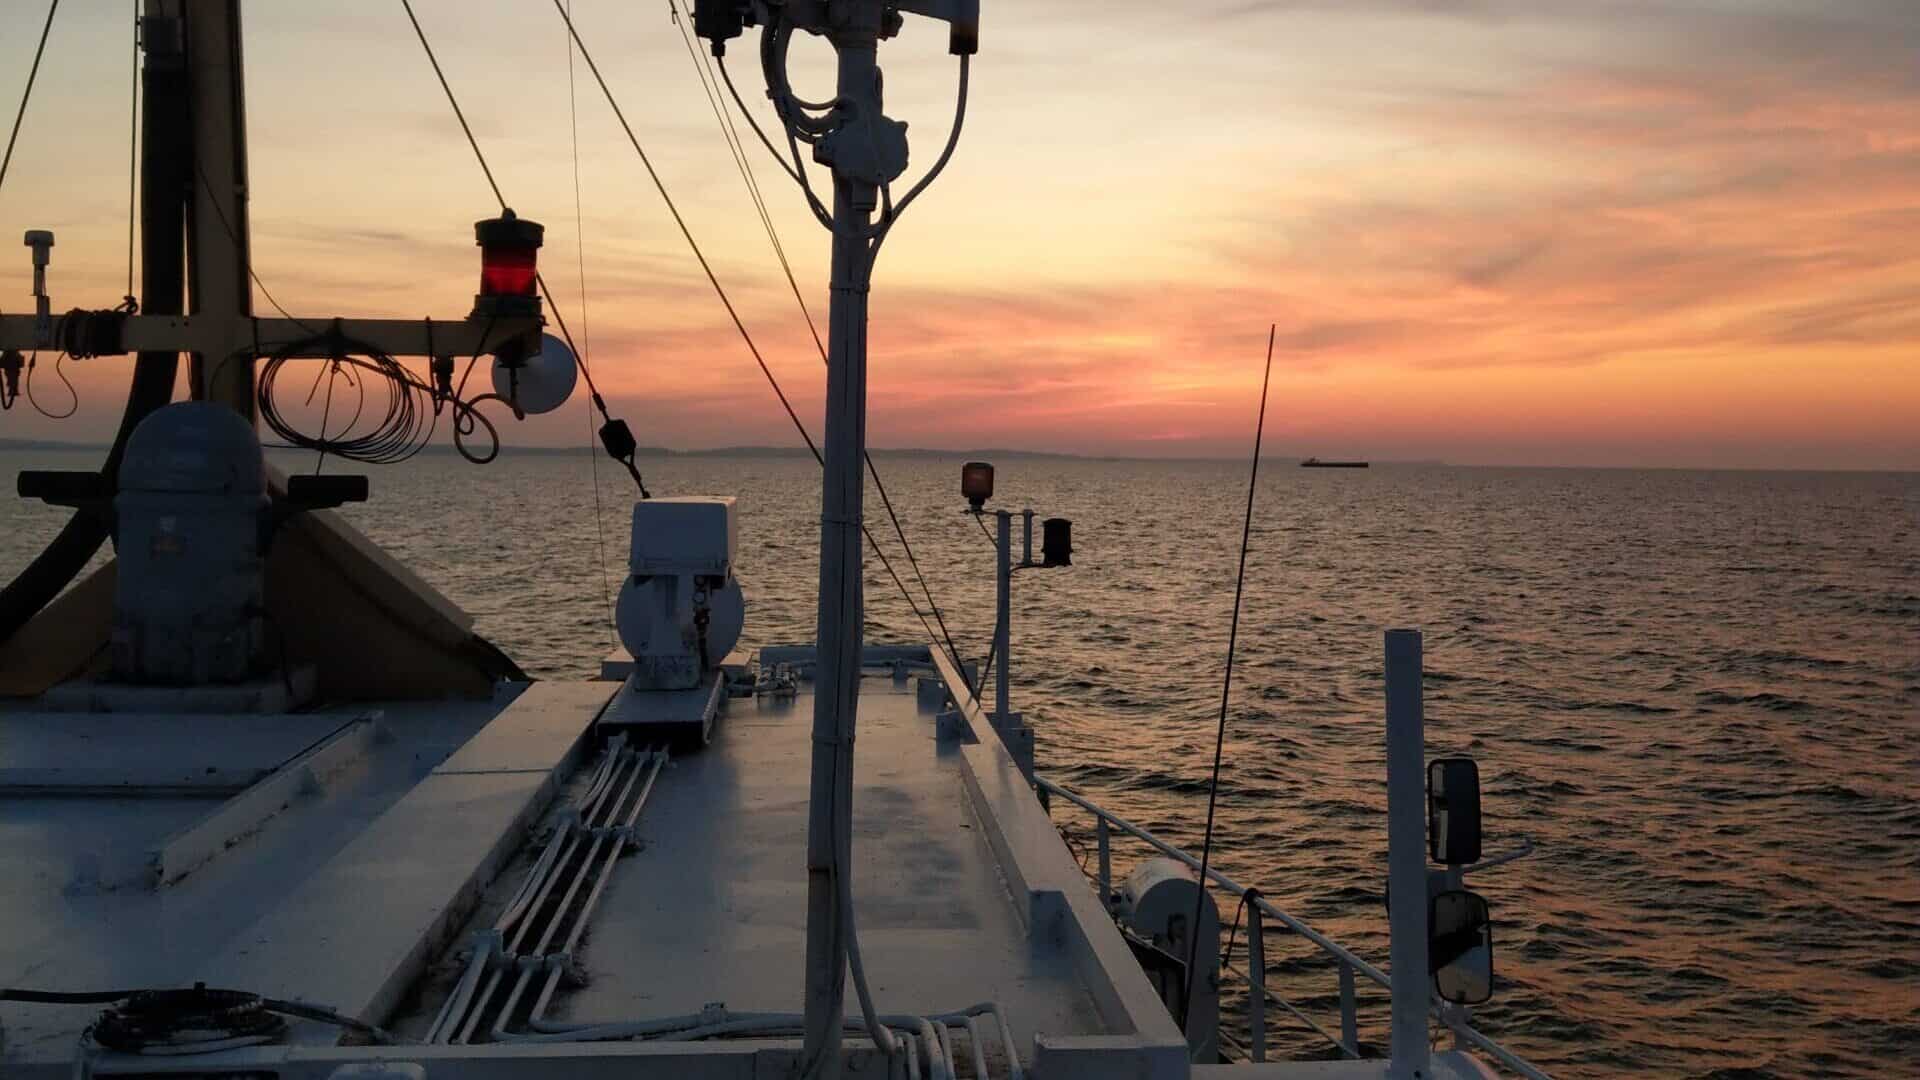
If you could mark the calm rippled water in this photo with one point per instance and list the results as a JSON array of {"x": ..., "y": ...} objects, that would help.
[{"x": 1699, "y": 692}]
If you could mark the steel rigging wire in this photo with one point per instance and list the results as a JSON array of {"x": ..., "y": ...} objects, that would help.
[
  {"x": 480, "y": 156},
  {"x": 586, "y": 339},
  {"x": 710, "y": 83},
  {"x": 33, "y": 74},
  {"x": 615, "y": 435}
]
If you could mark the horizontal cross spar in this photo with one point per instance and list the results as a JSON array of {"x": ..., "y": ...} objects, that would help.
[{"x": 218, "y": 336}]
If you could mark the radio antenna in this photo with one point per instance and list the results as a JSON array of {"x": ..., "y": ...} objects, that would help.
[{"x": 1226, "y": 689}]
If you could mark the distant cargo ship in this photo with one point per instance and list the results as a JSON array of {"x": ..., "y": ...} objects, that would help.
[{"x": 1316, "y": 463}]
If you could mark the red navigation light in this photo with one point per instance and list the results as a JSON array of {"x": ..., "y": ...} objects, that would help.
[
  {"x": 509, "y": 266},
  {"x": 976, "y": 483}
]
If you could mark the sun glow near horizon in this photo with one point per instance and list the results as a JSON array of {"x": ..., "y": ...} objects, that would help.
[{"x": 1497, "y": 231}]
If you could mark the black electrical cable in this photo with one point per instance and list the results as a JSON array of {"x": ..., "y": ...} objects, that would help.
[
  {"x": 33, "y": 74},
  {"x": 981, "y": 520},
  {"x": 58, "y": 369},
  {"x": 403, "y": 426},
  {"x": 84, "y": 335},
  {"x": 1226, "y": 686},
  {"x": 11, "y": 365}
]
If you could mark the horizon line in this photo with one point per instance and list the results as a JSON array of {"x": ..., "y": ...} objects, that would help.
[{"x": 985, "y": 453}]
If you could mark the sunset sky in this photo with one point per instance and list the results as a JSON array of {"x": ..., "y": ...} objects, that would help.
[{"x": 1618, "y": 232}]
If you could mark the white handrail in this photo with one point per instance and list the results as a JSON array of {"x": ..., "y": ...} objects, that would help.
[{"x": 1326, "y": 945}]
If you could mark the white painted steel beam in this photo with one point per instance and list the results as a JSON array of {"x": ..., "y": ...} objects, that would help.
[{"x": 210, "y": 334}]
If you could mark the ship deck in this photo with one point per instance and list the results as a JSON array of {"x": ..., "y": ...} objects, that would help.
[
  {"x": 347, "y": 857},
  {"x": 712, "y": 908}
]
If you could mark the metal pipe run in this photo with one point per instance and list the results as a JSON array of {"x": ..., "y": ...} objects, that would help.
[{"x": 587, "y": 842}]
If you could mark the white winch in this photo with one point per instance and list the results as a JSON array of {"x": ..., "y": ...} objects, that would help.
[{"x": 681, "y": 610}]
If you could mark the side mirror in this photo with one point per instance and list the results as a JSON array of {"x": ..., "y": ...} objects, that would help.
[
  {"x": 1460, "y": 946},
  {"x": 1453, "y": 811}
]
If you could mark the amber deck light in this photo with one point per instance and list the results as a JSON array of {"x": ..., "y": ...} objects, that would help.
[
  {"x": 509, "y": 267},
  {"x": 976, "y": 483}
]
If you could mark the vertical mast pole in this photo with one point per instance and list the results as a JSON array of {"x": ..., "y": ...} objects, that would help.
[
  {"x": 219, "y": 258},
  {"x": 855, "y": 33},
  {"x": 1407, "y": 855},
  {"x": 1003, "y": 624}
]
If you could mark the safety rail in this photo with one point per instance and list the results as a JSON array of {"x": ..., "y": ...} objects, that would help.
[{"x": 1258, "y": 910}]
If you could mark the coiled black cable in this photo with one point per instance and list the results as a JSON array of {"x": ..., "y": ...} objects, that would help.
[
  {"x": 401, "y": 426},
  {"x": 84, "y": 334},
  {"x": 198, "y": 1020}
]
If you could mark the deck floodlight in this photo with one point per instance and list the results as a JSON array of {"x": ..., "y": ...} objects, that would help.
[
  {"x": 976, "y": 483},
  {"x": 1056, "y": 542},
  {"x": 509, "y": 267},
  {"x": 541, "y": 382}
]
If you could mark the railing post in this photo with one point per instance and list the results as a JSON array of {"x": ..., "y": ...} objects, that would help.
[
  {"x": 1349, "y": 1011},
  {"x": 1406, "y": 857},
  {"x": 1256, "y": 976},
  {"x": 1106, "y": 861}
]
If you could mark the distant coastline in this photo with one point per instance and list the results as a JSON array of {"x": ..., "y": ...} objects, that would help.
[
  {"x": 994, "y": 454},
  {"x": 979, "y": 454}
]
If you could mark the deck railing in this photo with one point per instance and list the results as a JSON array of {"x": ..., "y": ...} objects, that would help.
[{"x": 1258, "y": 911}]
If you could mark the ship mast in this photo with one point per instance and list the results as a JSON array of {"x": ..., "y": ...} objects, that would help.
[
  {"x": 197, "y": 281},
  {"x": 219, "y": 255},
  {"x": 866, "y": 152},
  {"x": 840, "y": 631}
]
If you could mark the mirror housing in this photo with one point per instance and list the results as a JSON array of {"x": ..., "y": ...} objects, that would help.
[
  {"x": 1460, "y": 946},
  {"x": 1453, "y": 811}
]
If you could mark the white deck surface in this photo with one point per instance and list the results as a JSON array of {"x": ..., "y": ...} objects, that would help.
[
  {"x": 351, "y": 891},
  {"x": 79, "y": 911},
  {"x": 713, "y": 908}
]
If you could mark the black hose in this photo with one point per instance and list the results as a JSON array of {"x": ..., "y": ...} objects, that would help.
[
  {"x": 182, "y": 1020},
  {"x": 165, "y": 186}
]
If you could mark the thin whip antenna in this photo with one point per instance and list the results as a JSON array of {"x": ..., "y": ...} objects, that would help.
[{"x": 1226, "y": 687}]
